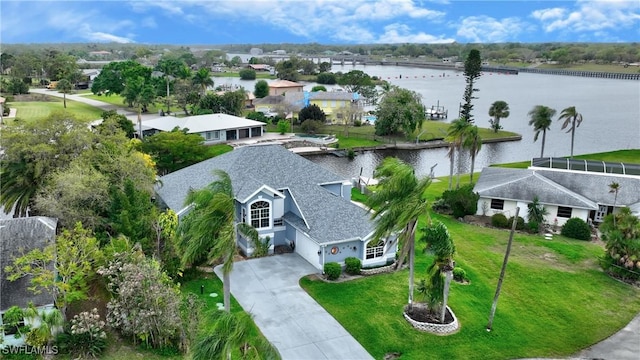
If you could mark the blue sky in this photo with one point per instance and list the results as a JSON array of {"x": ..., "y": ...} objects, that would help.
[{"x": 322, "y": 21}]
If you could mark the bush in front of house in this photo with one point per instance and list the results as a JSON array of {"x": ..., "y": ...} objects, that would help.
[
  {"x": 86, "y": 337},
  {"x": 332, "y": 270},
  {"x": 520, "y": 225},
  {"x": 440, "y": 206},
  {"x": 353, "y": 265},
  {"x": 533, "y": 227},
  {"x": 459, "y": 274},
  {"x": 500, "y": 221},
  {"x": 462, "y": 201},
  {"x": 576, "y": 228}
]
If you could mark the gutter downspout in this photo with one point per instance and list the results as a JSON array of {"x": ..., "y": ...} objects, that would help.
[{"x": 322, "y": 249}]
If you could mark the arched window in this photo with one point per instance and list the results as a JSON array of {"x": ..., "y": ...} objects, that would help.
[{"x": 260, "y": 214}]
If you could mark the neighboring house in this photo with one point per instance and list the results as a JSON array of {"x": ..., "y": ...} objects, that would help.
[
  {"x": 564, "y": 193},
  {"x": 279, "y": 52},
  {"x": 335, "y": 103},
  {"x": 294, "y": 201},
  {"x": 17, "y": 237},
  {"x": 214, "y": 128},
  {"x": 259, "y": 67},
  {"x": 290, "y": 103},
  {"x": 280, "y": 87}
]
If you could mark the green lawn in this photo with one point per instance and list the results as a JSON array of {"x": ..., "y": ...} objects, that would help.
[
  {"x": 38, "y": 110},
  {"x": 627, "y": 156},
  {"x": 119, "y": 101},
  {"x": 259, "y": 75},
  {"x": 552, "y": 304}
]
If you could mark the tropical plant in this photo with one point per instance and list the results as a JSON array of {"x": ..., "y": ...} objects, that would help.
[
  {"x": 462, "y": 201},
  {"x": 456, "y": 134},
  {"x": 139, "y": 93},
  {"x": 536, "y": 212},
  {"x": 64, "y": 86},
  {"x": 202, "y": 78},
  {"x": 228, "y": 338},
  {"x": 440, "y": 272},
  {"x": 576, "y": 228},
  {"x": 209, "y": 231},
  {"x": 48, "y": 325},
  {"x": 473, "y": 143},
  {"x": 540, "y": 119},
  {"x": 498, "y": 110},
  {"x": 573, "y": 119},
  {"x": 398, "y": 203},
  {"x": 86, "y": 337},
  {"x": 400, "y": 110},
  {"x": 614, "y": 188},
  {"x": 621, "y": 233}
]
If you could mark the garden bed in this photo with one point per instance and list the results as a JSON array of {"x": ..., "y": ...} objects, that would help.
[{"x": 422, "y": 319}]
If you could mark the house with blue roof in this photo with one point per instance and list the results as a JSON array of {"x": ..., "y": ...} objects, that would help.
[{"x": 293, "y": 201}]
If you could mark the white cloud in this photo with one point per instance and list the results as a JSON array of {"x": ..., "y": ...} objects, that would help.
[
  {"x": 104, "y": 37},
  {"x": 485, "y": 29},
  {"x": 591, "y": 16},
  {"x": 149, "y": 22},
  {"x": 401, "y": 33}
]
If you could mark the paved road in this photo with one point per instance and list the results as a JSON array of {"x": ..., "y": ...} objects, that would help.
[
  {"x": 623, "y": 345},
  {"x": 289, "y": 318}
]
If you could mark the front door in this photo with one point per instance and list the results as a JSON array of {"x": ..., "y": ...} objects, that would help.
[{"x": 600, "y": 213}]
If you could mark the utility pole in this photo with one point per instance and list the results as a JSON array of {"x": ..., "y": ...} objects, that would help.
[{"x": 504, "y": 268}]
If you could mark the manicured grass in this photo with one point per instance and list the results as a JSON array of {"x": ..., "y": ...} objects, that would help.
[
  {"x": 259, "y": 75},
  {"x": 119, "y": 101},
  {"x": 627, "y": 156},
  {"x": 552, "y": 301},
  {"x": 38, "y": 110},
  {"x": 219, "y": 149}
]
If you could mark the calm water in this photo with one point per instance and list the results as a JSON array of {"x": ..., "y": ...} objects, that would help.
[{"x": 610, "y": 108}]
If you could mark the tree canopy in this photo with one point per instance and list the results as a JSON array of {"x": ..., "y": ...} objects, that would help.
[
  {"x": 472, "y": 71},
  {"x": 399, "y": 110},
  {"x": 174, "y": 150}
]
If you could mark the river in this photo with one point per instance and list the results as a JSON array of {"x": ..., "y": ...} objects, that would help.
[{"x": 610, "y": 108}]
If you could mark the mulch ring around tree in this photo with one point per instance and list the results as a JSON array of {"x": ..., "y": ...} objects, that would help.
[{"x": 420, "y": 312}]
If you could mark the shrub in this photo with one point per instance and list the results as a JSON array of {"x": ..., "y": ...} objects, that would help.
[
  {"x": 459, "y": 274},
  {"x": 441, "y": 206},
  {"x": 326, "y": 78},
  {"x": 86, "y": 337},
  {"x": 534, "y": 227},
  {"x": 353, "y": 265},
  {"x": 499, "y": 221},
  {"x": 283, "y": 126},
  {"x": 332, "y": 270},
  {"x": 247, "y": 74},
  {"x": 576, "y": 228},
  {"x": 258, "y": 116},
  {"x": 311, "y": 126},
  {"x": 462, "y": 201},
  {"x": 357, "y": 123},
  {"x": 520, "y": 225},
  {"x": 351, "y": 154}
]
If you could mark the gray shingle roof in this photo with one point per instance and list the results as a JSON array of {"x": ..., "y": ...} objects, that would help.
[
  {"x": 330, "y": 217},
  {"x": 575, "y": 189},
  {"x": 17, "y": 237}
]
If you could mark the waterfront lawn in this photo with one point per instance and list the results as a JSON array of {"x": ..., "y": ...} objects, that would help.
[
  {"x": 38, "y": 110},
  {"x": 555, "y": 300},
  {"x": 627, "y": 156},
  {"x": 259, "y": 75}
]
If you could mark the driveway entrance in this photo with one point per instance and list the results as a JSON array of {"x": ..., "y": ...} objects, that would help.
[{"x": 289, "y": 318}]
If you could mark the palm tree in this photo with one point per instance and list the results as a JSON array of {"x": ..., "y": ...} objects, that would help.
[
  {"x": 498, "y": 110},
  {"x": 614, "y": 188},
  {"x": 64, "y": 86},
  {"x": 541, "y": 121},
  {"x": 536, "y": 212},
  {"x": 209, "y": 230},
  {"x": 456, "y": 137},
  {"x": 473, "y": 143},
  {"x": 398, "y": 203},
  {"x": 571, "y": 116},
  {"x": 440, "y": 272},
  {"x": 229, "y": 334},
  {"x": 203, "y": 79},
  {"x": 140, "y": 94}
]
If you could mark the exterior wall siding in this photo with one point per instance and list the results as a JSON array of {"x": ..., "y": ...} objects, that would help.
[
  {"x": 510, "y": 210},
  {"x": 339, "y": 252}
]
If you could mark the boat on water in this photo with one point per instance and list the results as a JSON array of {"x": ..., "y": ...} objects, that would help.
[{"x": 436, "y": 112}]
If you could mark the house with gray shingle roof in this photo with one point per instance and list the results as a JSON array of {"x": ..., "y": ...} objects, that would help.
[
  {"x": 564, "y": 193},
  {"x": 294, "y": 201},
  {"x": 17, "y": 237}
]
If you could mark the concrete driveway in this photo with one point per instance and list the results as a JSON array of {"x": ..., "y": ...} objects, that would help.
[{"x": 289, "y": 318}]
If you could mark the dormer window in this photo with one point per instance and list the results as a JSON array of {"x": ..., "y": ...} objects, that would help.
[{"x": 260, "y": 214}]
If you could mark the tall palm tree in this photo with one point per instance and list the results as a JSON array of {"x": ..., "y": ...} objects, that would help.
[
  {"x": 573, "y": 118},
  {"x": 209, "y": 230},
  {"x": 64, "y": 86},
  {"x": 473, "y": 143},
  {"x": 203, "y": 79},
  {"x": 229, "y": 336},
  {"x": 398, "y": 203},
  {"x": 498, "y": 110},
  {"x": 140, "y": 94},
  {"x": 456, "y": 135},
  {"x": 440, "y": 272},
  {"x": 614, "y": 188},
  {"x": 540, "y": 119}
]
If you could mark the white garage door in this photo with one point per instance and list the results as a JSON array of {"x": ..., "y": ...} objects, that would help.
[{"x": 307, "y": 249}]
